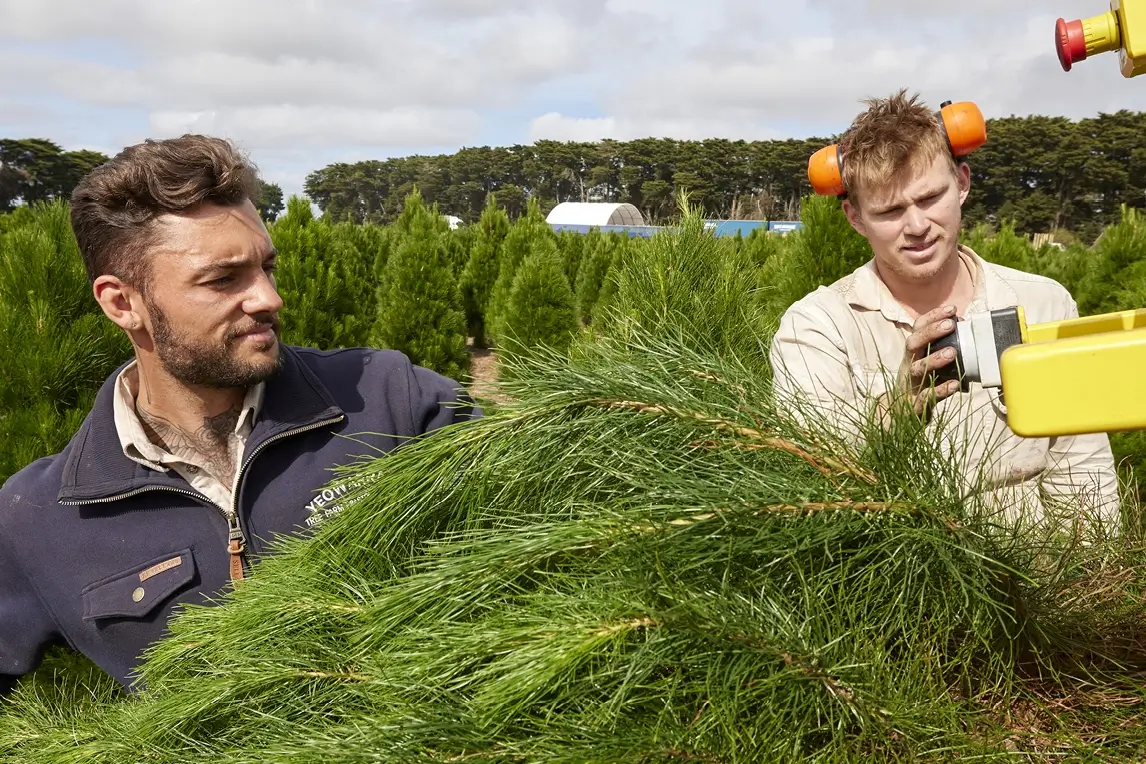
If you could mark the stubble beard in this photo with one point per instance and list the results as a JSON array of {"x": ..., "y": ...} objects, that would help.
[
  {"x": 210, "y": 365},
  {"x": 941, "y": 261}
]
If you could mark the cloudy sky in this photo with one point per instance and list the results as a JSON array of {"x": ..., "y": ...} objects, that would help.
[{"x": 303, "y": 83}]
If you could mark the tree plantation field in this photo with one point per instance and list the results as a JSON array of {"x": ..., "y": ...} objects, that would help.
[
  {"x": 442, "y": 296},
  {"x": 631, "y": 557}
]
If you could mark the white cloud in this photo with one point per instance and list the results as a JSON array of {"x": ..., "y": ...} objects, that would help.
[
  {"x": 287, "y": 126},
  {"x": 32, "y": 74},
  {"x": 301, "y": 83},
  {"x": 799, "y": 83}
]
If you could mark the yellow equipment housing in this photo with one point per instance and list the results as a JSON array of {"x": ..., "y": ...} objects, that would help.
[
  {"x": 1086, "y": 374},
  {"x": 1122, "y": 28},
  {"x": 1077, "y": 376}
]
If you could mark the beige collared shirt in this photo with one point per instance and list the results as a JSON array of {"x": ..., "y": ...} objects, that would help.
[
  {"x": 196, "y": 470},
  {"x": 841, "y": 347}
]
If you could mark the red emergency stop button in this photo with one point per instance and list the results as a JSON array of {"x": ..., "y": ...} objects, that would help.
[{"x": 1070, "y": 42}]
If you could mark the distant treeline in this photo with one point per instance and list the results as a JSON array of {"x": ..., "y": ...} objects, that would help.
[{"x": 1040, "y": 173}]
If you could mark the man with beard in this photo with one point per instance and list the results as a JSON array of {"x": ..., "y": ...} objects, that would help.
[{"x": 209, "y": 443}]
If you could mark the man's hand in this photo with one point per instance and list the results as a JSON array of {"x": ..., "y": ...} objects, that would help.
[{"x": 917, "y": 364}]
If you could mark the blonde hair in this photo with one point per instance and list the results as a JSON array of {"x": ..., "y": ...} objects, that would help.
[{"x": 895, "y": 137}]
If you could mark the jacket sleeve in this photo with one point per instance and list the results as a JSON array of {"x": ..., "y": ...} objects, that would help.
[
  {"x": 26, "y": 626},
  {"x": 437, "y": 401}
]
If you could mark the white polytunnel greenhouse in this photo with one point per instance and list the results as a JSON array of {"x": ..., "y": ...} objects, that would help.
[{"x": 595, "y": 214}]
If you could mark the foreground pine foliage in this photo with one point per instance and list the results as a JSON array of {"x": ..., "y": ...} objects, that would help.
[{"x": 637, "y": 560}]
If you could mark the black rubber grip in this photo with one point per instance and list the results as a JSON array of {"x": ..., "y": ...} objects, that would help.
[
  {"x": 1006, "y": 328},
  {"x": 954, "y": 369}
]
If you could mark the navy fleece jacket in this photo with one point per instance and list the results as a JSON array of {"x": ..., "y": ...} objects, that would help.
[{"x": 96, "y": 550}]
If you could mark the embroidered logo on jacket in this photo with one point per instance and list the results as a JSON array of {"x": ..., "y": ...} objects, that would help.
[{"x": 328, "y": 502}]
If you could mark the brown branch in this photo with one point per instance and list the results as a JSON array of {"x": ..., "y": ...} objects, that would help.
[
  {"x": 638, "y": 623},
  {"x": 823, "y": 464},
  {"x": 710, "y": 377},
  {"x": 832, "y": 684},
  {"x": 835, "y": 506},
  {"x": 329, "y": 675},
  {"x": 674, "y": 753},
  {"x": 809, "y": 507}
]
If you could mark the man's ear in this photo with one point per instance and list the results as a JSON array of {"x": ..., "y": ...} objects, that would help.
[
  {"x": 854, "y": 217},
  {"x": 963, "y": 176},
  {"x": 118, "y": 300}
]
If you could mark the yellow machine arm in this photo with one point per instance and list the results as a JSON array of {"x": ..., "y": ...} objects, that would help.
[{"x": 1082, "y": 375}]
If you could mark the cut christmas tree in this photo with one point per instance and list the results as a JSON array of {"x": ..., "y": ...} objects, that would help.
[{"x": 636, "y": 559}]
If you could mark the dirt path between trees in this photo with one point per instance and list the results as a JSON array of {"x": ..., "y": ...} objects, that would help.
[{"x": 483, "y": 370}]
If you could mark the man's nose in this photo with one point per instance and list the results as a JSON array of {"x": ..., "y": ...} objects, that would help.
[
  {"x": 263, "y": 296},
  {"x": 915, "y": 222}
]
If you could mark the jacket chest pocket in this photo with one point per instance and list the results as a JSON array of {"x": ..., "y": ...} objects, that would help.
[
  {"x": 871, "y": 382},
  {"x": 137, "y": 592}
]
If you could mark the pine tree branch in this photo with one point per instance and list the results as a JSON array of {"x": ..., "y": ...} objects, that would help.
[
  {"x": 347, "y": 676},
  {"x": 824, "y": 464},
  {"x": 812, "y": 507}
]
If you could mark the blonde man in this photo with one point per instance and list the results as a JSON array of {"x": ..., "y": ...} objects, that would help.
[{"x": 862, "y": 341}]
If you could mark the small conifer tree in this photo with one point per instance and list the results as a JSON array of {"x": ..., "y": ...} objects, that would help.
[
  {"x": 481, "y": 268},
  {"x": 419, "y": 304},
  {"x": 541, "y": 310},
  {"x": 413, "y": 208},
  {"x": 373, "y": 243},
  {"x": 608, "y": 293},
  {"x": 59, "y": 347},
  {"x": 591, "y": 275},
  {"x": 459, "y": 241},
  {"x": 625, "y": 248},
  {"x": 827, "y": 249},
  {"x": 572, "y": 246},
  {"x": 525, "y": 232},
  {"x": 1116, "y": 272}
]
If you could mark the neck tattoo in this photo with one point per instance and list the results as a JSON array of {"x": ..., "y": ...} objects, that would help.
[{"x": 208, "y": 445}]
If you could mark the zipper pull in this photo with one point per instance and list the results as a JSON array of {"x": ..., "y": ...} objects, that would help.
[{"x": 235, "y": 548}]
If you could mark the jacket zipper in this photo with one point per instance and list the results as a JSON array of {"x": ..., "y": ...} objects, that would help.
[{"x": 236, "y": 539}]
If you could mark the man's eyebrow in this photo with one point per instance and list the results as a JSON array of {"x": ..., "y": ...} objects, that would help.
[
  {"x": 879, "y": 210},
  {"x": 234, "y": 262}
]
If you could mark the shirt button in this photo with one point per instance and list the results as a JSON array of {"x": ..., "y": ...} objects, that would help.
[
  {"x": 193, "y": 469},
  {"x": 137, "y": 595}
]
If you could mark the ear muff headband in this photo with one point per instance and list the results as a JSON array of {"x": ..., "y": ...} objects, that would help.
[{"x": 963, "y": 126}]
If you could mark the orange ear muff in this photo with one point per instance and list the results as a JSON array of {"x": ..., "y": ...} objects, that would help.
[
  {"x": 825, "y": 171},
  {"x": 964, "y": 126}
]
